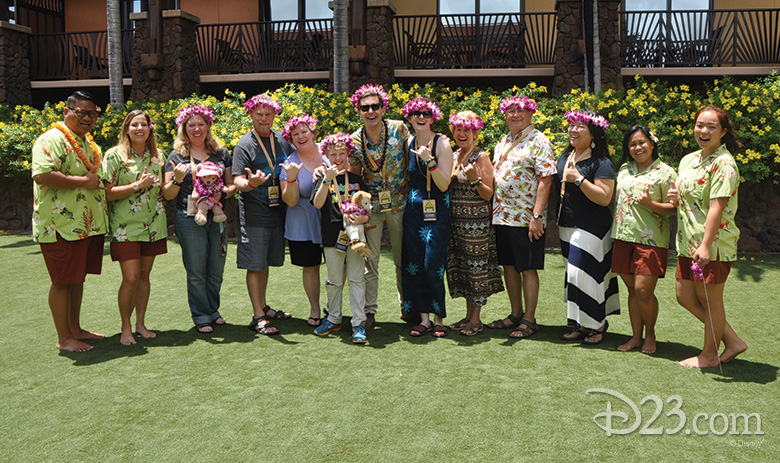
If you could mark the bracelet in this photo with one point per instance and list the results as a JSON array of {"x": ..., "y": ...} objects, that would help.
[
  {"x": 434, "y": 167},
  {"x": 293, "y": 180},
  {"x": 477, "y": 182},
  {"x": 250, "y": 185},
  {"x": 328, "y": 182}
]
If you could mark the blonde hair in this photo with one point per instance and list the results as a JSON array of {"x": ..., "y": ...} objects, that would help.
[
  {"x": 126, "y": 148},
  {"x": 182, "y": 142}
]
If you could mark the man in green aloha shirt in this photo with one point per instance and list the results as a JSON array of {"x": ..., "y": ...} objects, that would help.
[{"x": 69, "y": 215}]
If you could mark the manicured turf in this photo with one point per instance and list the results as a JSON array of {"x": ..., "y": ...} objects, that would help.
[{"x": 237, "y": 396}]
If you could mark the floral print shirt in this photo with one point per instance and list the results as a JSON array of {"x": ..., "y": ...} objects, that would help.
[
  {"x": 517, "y": 176},
  {"x": 74, "y": 213},
  {"x": 393, "y": 163},
  {"x": 140, "y": 216},
  {"x": 633, "y": 222},
  {"x": 698, "y": 182}
]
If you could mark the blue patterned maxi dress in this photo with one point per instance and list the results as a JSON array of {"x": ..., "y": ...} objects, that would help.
[{"x": 424, "y": 256}]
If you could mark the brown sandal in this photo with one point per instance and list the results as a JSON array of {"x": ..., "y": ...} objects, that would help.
[
  {"x": 463, "y": 323},
  {"x": 502, "y": 325},
  {"x": 525, "y": 329}
]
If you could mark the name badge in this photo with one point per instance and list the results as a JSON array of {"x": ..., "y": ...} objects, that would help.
[
  {"x": 429, "y": 210},
  {"x": 273, "y": 195},
  {"x": 385, "y": 201},
  {"x": 342, "y": 242}
]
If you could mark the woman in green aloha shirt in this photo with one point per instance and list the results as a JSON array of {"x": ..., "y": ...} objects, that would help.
[
  {"x": 131, "y": 172},
  {"x": 706, "y": 198},
  {"x": 640, "y": 231}
]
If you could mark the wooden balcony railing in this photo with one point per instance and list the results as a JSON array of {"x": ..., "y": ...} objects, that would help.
[
  {"x": 700, "y": 38},
  {"x": 475, "y": 40},
  {"x": 74, "y": 55},
  {"x": 269, "y": 46}
]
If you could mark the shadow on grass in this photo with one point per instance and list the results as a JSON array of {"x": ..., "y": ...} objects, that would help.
[{"x": 23, "y": 241}]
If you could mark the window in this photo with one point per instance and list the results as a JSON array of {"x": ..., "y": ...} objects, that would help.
[
  {"x": 480, "y": 6},
  {"x": 282, "y": 10}
]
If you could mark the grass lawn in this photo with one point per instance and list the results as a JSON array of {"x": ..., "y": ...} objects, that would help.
[{"x": 237, "y": 396}]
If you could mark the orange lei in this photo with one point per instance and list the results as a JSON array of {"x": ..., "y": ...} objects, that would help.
[{"x": 77, "y": 147}]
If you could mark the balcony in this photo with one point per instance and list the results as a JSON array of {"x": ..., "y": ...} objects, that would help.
[{"x": 75, "y": 55}]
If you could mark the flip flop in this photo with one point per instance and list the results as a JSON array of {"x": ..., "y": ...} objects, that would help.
[{"x": 313, "y": 321}]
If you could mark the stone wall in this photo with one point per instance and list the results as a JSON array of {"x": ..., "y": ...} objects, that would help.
[
  {"x": 174, "y": 72},
  {"x": 14, "y": 65},
  {"x": 609, "y": 41},
  {"x": 376, "y": 62}
]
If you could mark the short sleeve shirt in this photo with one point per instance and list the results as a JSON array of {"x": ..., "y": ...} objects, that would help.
[
  {"x": 302, "y": 222},
  {"x": 253, "y": 208},
  {"x": 576, "y": 209},
  {"x": 74, "y": 213},
  {"x": 635, "y": 223},
  {"x": 140, "y": 216},
  {"x": 517, "y": 176},
  {"x": 698, "y": 182},
  {"x": 384, "y": 163},
  {"x": 222, "y": 159}
]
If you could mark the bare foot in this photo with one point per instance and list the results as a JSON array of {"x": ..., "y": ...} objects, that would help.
[
  {"x": 699, "y": 361},
  {"x": 649, "y": 346},
  {"x": 146, "y": 334},
  {"x": 127, "y": 339},
  {"x": 74, "y": 345},
  {"x": 84, "y": 334},
  {"x": 632, "y": 344},
  {"x": 219, "y": 321},
  {"x": 730, "y": 352}
]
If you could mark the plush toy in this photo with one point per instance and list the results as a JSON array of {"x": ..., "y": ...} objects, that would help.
[
  {"x": 207, "y": 190},
  {"x": 360, "y": 204}
]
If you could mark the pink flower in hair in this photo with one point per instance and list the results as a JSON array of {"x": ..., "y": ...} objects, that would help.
[
  {"x": 295, "y": 121},
  {"x": 189, "y": 111},
  {"x": 338, "y": 141},
  {"x": 585, "y": 118},
  {"x": 262, "y": 100},
  {"x": 466, "y": 123},
  {"x": 522, "y": 103},
  {"x": 422, "y": 104},
  {"x": 368, "y": 90}
]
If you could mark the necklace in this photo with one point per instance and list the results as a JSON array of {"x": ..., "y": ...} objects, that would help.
[
  {"x": 77, "y": 148},
  {"x": 375, "y": 164}
]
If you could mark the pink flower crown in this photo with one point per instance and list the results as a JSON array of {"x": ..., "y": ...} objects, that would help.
[
  {"x": 338, "y": 141},
  {"x": 422, "y": 104},
  {"x": 466, "y": 123},
  {"x": 579, "y": 116},
  {"x": 189, "y": 111},
  {"x": 262, "y": 100},
  {"x": 367, "y": 90},
  {"x": 522, "y": 103},
  {"x": 295, "y": 121}
]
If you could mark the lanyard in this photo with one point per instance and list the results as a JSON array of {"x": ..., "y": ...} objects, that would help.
[
  {"x": 374, "y": 166},
  {"x": 520, "y": 137},
  {"x": 433, "y": 156},
  {"x": 268, "y": 158},
  {"x": 346, "y": 189},
  {"x": 569, "y": 164}
]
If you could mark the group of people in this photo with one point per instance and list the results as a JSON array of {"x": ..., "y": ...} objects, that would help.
[{"x": 455, "y": 215}]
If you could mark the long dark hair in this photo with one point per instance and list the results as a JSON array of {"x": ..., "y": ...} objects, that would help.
[
  {"x": 599, "y": 138},
  {"x": 730, "y": 139},
  {"x": 647, "y": 133}
]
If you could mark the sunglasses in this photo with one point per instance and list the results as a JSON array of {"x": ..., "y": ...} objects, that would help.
[
  {"x": 81, "y": 113},
  {"x": 366, "y": 107},
  {"x": 425, "y": 114}
]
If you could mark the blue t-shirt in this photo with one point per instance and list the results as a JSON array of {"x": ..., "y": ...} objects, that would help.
[{"x": 303, "y": 220}]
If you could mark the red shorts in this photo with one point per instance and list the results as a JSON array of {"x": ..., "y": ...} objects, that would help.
[
  {"x": 638, "y": 259},
  {"x": 68, "y": 262},
  {"x": 132, "y": 250},
  {"x": 715, "y": 272}
]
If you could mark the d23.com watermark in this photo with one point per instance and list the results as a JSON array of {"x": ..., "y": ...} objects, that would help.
[{"x": 616, "y": 420}]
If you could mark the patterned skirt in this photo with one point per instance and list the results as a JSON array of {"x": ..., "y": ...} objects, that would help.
[
  {"x": 591, "y": 289},
  {"x": 472, "y": 259}
]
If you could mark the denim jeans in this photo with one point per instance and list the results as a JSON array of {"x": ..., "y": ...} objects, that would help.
[{"x": 204, "y": 265}]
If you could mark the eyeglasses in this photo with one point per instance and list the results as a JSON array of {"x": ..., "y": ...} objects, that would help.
[
  {"x": 81, "y": 113},
  {"x": 366, "y": 107},
  {"x": 425, "y": 114}
]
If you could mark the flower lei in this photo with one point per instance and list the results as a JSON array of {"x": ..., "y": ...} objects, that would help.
[
  {"x": 189, "y": 111},
  {"x": 262, "y": 100},
  {"x": 338, "y": 141},
  {"x": 422, "y": 104},
  {"x": 522, "y": 103},
  {"x": 77, "y": 148},
  {"x": 579, "y": 116},
  {"x": 367, "y": 90},
  {"x": 466, "y": 123},
  {"x": 295, "y": 121}
]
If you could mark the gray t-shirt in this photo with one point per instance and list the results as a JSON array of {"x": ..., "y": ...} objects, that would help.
[{"x": 253, "y": 208}]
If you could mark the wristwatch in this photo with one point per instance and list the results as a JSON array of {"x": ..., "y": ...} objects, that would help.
[
  {"x": 173, "y": 180},
  {"x": 537, "y": 215},
  {"x": 579, "y": 181},
  {"x": 135, "y": 186}
]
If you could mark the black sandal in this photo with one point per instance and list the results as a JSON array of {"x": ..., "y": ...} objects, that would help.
[{"x": 592, "y": 333}]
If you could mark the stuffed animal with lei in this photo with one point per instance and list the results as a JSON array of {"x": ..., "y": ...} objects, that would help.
[{"x": 207, "y": 191}]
